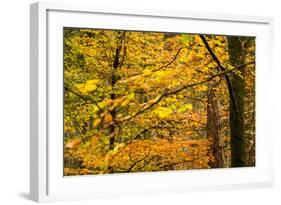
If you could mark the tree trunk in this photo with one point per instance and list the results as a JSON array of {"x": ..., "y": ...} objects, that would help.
[
  {"x": 113, "y": 80},
  {"x": 238, "y": 141},
  {"x": 214, "y": 130}
]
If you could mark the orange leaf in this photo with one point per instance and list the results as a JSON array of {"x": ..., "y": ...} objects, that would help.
[
  {"x": 73, "y": 144},
  {"x": 108, "y": 118}
]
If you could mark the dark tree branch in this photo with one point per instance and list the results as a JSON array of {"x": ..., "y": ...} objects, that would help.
[
  {"x": 135, "y": 163},
  {"x": 215, "y": 58},
  {"x": 222, "y": 68}
]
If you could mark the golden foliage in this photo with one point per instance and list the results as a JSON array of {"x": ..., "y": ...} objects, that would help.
[
  {"x": 147, "y": 155},
  {"x": 127, "y": 106}
]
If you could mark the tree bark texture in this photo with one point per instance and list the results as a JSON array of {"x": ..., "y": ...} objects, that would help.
[
  {"x": 238, "y": 141},
  {"x": 214, "y": 130}
]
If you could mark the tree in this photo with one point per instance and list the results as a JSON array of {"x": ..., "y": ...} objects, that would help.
[
  {"x": 238, "y": 140},
  {"x": 214, "y": 132}
]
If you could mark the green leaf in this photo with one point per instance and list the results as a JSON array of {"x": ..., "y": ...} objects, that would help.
[
  {"x": 114, "y": 150},
  {"x": 102, "y": 104},
  {"x": 185, "y": 38},
  {"x": 185, "y": 107},
  {"x": 131, "y": 96}
]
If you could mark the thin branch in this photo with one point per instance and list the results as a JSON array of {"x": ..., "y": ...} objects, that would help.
[
  {"x": 164, "y": 66},
  {"x": 145, "y": 163},
  {"x": 169, "y": 63},
  {"x": 83, "y": 97},
  {"x": 135, "y": 163},
  {"x": 138, "y": 161}
]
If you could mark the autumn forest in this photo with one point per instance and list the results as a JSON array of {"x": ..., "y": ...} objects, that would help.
[{"x": 138, "y": 101}]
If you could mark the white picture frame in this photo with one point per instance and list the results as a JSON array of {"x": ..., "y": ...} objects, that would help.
[{"x": 46, "y": 175}]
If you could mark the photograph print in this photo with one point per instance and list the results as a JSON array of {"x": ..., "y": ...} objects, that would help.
[{"x": 146, "y": 101}]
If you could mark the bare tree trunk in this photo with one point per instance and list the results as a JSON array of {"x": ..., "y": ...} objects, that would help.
[{"x": 214, "y": 130}]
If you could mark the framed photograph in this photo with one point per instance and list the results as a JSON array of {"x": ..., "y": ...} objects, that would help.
[{"x": 128, "y": 102}]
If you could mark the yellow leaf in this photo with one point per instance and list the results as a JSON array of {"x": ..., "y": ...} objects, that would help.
[
  {"x": 96, "y": 122},
  {"x": 90, "y": 87},
  {"x": 87, "y": 87},
  {"x": 147, "y": 72},
  {"x": 95, "y": 81},
  {"x": 163, "y": 112},
  {"x": 125, "y": 102},
  {"x": 131, "y": 96}
]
